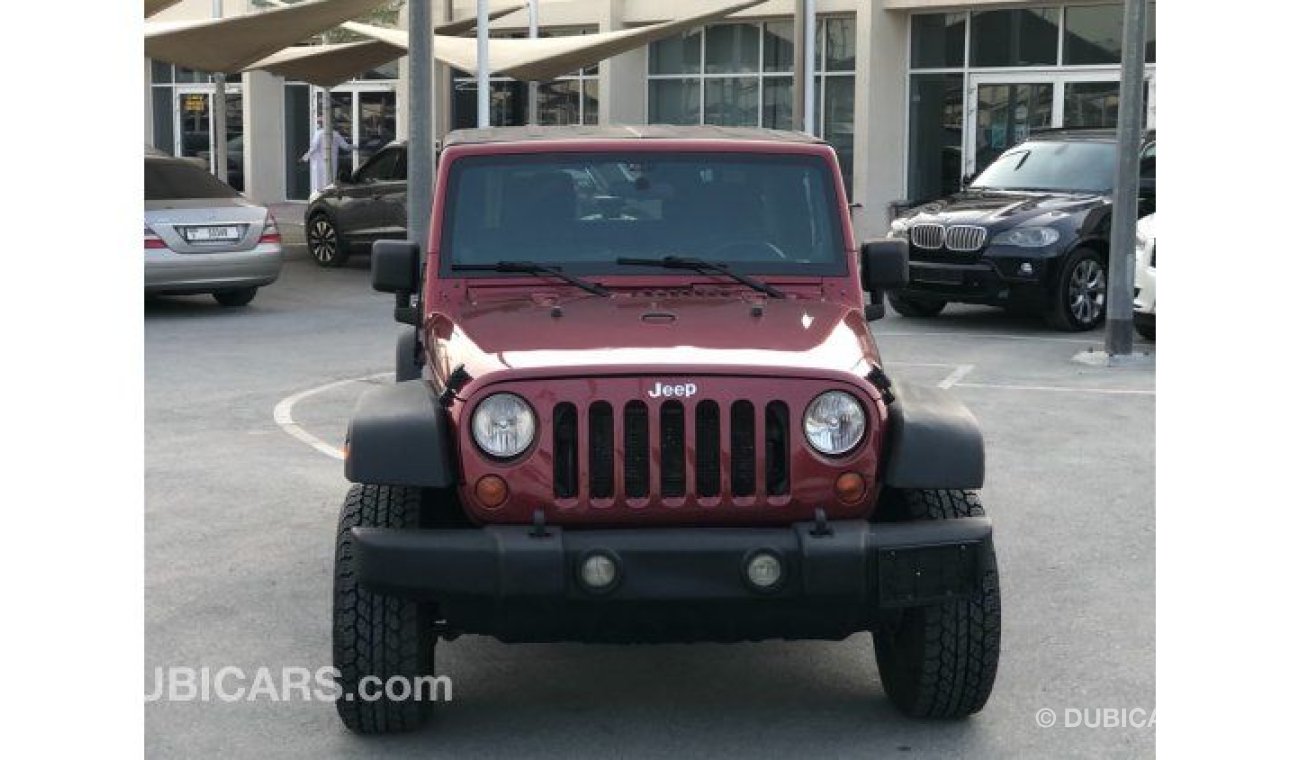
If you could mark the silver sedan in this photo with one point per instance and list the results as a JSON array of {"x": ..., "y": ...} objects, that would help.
[{"x": 202, "y": 236}]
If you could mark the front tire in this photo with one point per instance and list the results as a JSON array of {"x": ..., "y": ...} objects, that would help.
[
  {"x": 912, "y": 306},
  {"x": 940, "y": 661},
  {"x": 235, "y": 297},
  {"x": 1079, "y": 298},
  {"x": 378, "y": 636},
  {"x": 327, "y": 247},
  {"x": 1146, "y": 330}
]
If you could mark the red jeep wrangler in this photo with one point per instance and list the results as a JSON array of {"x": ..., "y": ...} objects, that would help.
[{"x": 640, "y": 402}]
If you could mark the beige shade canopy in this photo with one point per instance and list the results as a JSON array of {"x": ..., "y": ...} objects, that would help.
[
  {"x": 329, "y": 65},
  {"x": 154, "y": 6},
  {"x": 549, "y": 57},
  {"x": 229, "y": 44}
]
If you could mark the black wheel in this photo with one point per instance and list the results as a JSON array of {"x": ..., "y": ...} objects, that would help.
[
  {"x": 940, "y": 661},
  {"x": 376, "y": 635},
  {"x": 1146, "y": 330},
  {"x": 324, "y": 243},
  {"x": 235, "y": 296},
  {"x": 913, "y": 306},
  {"x": 1079, "y": 298}
]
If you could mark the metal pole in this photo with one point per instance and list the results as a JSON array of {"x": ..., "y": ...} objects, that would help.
[
  {"x": 419, "y": 197},
  {"x": 532, "y": 84},
  {"x": 484, "y": 71},
  {"x": 219, "y": 114},
  {"x": 800, "y": 65},
  {"x": 810, "y": 66},
  {"x": 1123, "y": 228}
]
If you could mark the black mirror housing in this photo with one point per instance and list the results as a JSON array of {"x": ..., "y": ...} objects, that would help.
[
  {"x": 884, "y": 265},
  {"x": 395, "y": 266}
]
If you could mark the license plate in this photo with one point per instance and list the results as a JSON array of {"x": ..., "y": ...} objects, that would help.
[
  {"x": 939, "y": 276},
  {"x": 211, "y": 234}
]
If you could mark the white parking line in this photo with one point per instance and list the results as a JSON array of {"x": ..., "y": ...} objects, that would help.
[
  {"x": 957, "y": 374},
  {"x": 283, "y": 414},
  {"x": 968, "y": 335},
  {"x": 1110, "y": 391}
]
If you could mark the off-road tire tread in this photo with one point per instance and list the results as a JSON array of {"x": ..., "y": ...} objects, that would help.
[
  {"x": 959, "y": 641},
  {"x": 376, "y": 634}
]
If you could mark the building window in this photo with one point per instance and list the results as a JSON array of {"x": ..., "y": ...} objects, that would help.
[
  {"x": 742, "y": 75},
  {"x": 570, "y": 99},
  {"x": 1022, "y": 37},
  {"x": 980, "y": 81}
]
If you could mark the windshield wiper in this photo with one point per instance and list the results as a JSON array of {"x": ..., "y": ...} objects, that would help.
[
  {"x": 532, "y": 267},
  {"x": 700, "y": 265}
]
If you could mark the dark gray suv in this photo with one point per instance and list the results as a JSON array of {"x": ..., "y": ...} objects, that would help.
[{"x": 359, "y": 208}]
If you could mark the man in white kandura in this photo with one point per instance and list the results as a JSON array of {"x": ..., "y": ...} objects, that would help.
[{"x": 316, "y": 155}]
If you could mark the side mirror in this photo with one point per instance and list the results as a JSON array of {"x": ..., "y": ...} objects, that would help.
[
  {"x": 395, "y": 268},
  {"x": 884, "y": 267}
]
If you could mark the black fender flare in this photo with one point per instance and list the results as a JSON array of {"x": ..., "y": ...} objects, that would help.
[
  {"x": 399, "y": 435},
  {"x": 933, "y": 441},
  {"x": 409, "y": 355}
]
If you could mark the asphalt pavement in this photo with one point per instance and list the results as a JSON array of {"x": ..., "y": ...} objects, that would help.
[{"x": 240, "y": 520}]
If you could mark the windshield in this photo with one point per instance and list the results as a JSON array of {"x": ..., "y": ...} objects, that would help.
[
  {"x": 176, "y": 180},
  {"x": 1071, "y": 166},
  {"x": 584, "y": 211}
]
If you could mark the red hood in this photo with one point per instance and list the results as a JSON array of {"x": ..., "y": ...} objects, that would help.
[{"x": 642, "y": 330}]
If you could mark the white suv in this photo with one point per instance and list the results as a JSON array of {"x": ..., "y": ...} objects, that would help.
[{"x": 1144, "y": 279}]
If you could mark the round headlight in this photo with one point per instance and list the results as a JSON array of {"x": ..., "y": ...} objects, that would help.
[
  {"x": 504, "y": 425},
  {"x": 834, "y": 423}
]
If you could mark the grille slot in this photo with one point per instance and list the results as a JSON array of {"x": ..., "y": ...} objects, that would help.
[
  {"x": 965, "y": 237},
  {"x": 708, "y": 449},
  {"x": 928, "y": 236},
  {"x": 672, "y": 449},
  {"x": 636, "y": 450},
  {"x": 600, "y": 449},
  {"x": 566, "y": 451},
  {"x": 743, "y": 480},
  {"x": 776, "y": 429}
]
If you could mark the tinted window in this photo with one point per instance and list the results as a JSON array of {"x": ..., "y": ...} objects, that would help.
[
  {"x": 380, "y": 168},
  {"x": 582, "y": 211},
  {"x": 1087, "y": 166},
  {"x": 938, "y": 40},
  {"x": 174, "y": 180},
  {"x": 1093, "y": 34}
]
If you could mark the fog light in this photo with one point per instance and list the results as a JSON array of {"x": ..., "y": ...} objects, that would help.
[
  {"x": 599, "y": 572},
  {"x": 1027, "y": 269},
  {"x": 491, "y": 491},
  {"x": 850, "y": 488},
  {"x": 763, "y": 570}
]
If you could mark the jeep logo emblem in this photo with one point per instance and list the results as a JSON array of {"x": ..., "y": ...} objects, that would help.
[{"x": 682, "y": 390}]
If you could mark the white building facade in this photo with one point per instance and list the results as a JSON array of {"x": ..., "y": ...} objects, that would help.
[{"x": 913, "y": 94}]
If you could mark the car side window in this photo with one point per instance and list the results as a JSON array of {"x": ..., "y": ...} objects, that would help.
[
  {"x": 380, "y": 168},
  {"x": 1147, "y": 162},
  {"x": 399, "y": 172}
]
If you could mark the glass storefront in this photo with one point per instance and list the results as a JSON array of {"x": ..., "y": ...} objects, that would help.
[
  {"x": 181, "y": 102},
  {"x": 982, "y": 81},
  {"x": 742, "y": 74}
]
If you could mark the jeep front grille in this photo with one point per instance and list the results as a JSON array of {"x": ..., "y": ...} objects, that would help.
[
  {"x": 964, "y": 237},
  {"x": 686, "y": 440}
]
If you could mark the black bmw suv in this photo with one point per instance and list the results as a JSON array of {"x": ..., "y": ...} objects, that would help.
[{"x": 1031, "y": 232}]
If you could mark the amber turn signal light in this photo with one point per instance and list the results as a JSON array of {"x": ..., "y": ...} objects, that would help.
[
  {"x": 491, "y": 491},
  {"x": 850, "y": 488}
]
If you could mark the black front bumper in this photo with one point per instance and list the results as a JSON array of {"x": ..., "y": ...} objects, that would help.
[
  {"x": 991, "y": 277},
  {"x": 676, "y": 584}
]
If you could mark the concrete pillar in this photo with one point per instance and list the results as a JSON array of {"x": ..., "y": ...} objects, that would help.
[
  {"x": 403, "y": 85},
  {"x": 264, "y": 159},
  {"x": 879, "y": 113},
  {"x": 622, "y": 84}
]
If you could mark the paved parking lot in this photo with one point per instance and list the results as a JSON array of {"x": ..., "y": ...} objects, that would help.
[{"x": 239, "y": 539}]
